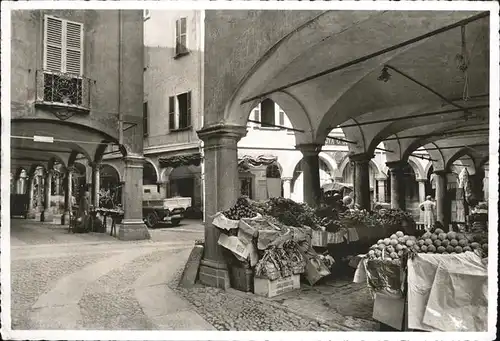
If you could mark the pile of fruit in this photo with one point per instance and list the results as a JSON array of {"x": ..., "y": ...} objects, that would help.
[
  {"x": 449, "y": 243},
  {"x": 392, "y": 217},
  {"x": 353, "y": 218},
  {"x": 241, "y": 209},
  {"x": 393, "y": 248}
]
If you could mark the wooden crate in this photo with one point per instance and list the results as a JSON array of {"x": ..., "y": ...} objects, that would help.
[
  {"x": 241, "y": 278},
  {"x": 319, "y": 238},
  {"x": 268, "y": 288}
]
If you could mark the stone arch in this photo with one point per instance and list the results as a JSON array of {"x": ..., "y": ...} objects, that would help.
[
  {"x": 165, "y": 174},
  {"x": 460, "y": 153},
  {"x": 418, "y": 169},
  {"x": 114, "y": 168},
  {"x": 373, "y": 164}
]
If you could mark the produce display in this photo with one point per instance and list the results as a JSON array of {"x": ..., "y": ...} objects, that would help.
[
  {"x": 281, "y": 261},
  {"x": 393, "y": 248},
  {"x": 241, "y": 209},
  {"x": 451, "y": 243},
  {"x": 288, "y": 212}
]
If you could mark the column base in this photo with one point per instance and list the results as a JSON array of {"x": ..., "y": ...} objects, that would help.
[
  {"x": 65, "y": 218},
  {"x": 214, "y": 274},
  {"x": 133, "y": 229},
  {"x": 46, "y": 216}
]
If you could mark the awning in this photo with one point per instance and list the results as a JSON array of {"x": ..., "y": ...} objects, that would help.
[
  {"x": 180, "y": 160},
  {"x": 248, "y": 161}
]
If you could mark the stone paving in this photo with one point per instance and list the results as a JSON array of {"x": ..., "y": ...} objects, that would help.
[{"x": 94, "y": 281}]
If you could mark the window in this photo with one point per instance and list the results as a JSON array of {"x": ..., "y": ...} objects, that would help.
[
  {"x": 63, "y": 46},
  {"x": 179, "y": 111},
  {"x": 267, "y": 113},
  {"x": 180, "y": 37},
  {"x": 146, "y": 14},
  {"x": 256, "y": 114},
  {"x": 145, "y": 127},
  {"x": 281, "y": 118}
]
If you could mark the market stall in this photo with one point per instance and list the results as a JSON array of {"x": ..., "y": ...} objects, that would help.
[{"x": 437, "y": 282}]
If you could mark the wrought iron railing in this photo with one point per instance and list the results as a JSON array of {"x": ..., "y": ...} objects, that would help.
[{"x": 62, "y": 89}]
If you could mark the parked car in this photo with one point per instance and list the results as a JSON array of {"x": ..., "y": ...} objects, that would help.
[{"x": 170, "y": 210}]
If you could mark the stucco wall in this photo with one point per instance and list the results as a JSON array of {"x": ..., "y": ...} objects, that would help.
[
  {"x": 100, "y": 64},
  {"x": 166, "y": 76}
]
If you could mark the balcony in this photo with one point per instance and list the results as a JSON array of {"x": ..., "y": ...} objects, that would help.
[{"x": 62, "y": 90}]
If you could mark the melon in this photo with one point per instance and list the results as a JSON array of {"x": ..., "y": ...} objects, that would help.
[
  {"x": 413, "y": 238},
  {"x": 387, "y": 241},
  {"x": 423, "y": 248},
  {"x": 406, "y": 238},
  {"x": 394, "y": 242},
  {"x": 485, "y": 247},
  {"x": 431, "y": 248},
  {"x": 393, "y": 236},
  {"x": 400, "y": 253},
  {"x": 446, "y": 253},
  {"x": 445, "y": 242},
  {"x": 434, "y": 237},
  {"x": 381, "y": 247},
  {"x": 404, "y": 247},
  {"x": 453, "y": 253},
  {"x": 442, "y": 236},
  {"x": 428, "y": 241},
  {"x": 450, "y": 249},
  {"x": 426, "y": 235},
  {"x": 470, "y": 238},
  {"x": 441, "y": 249},
  {"x": 467, "y": 248},
  {"x": 410, "y": 243},
  {"x": 438, "y": 231},
  {"x": 458, "y": 249},
  {"x": 475, "y": 245},
  {"x": 421, "y": 242},
  {"x": 452, "y": 235},
  {"x": 437, "y": 243},
  {"x": 389, "y": 249},
  {"x": 453, "y": 242},
  {"x": 401, "y": 240},
  {"x": 460, "y": 236},
  {"x": 399, "y": 247},
  {"x": 400, "y": 234},
  {"x": 387, "y": 258},
  {"x": 380, "y": 241},
  {"x": 462, "y": 242},
  {"x": 394, "y": 255},
  {"x": 416, "y": 248},
  {"x": 371, "y": 253}
]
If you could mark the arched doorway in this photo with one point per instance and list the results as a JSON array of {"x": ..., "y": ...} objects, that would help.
[{"x": 110, "y": 187}]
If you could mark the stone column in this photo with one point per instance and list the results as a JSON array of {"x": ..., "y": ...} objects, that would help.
[
  {"x": 397, "y": 188},
  {"x": 67, "y": 197},
  {"x": 221, "y": 192},
  {"x": 287, "y": 187},
  {"x": 132, "y": 226},
  {"x": 96, "y": 183},
  {"x": 381, "y": 189},
  {"x": 421, "y": 196},
  {"x": 39, "y": 199},
  {"x": 310, "y": 173},
  {"x": 31, "y": 192},
  {"x": 441, "y": 197},
  {"x": 361, "y": 180},
  {"x": 47, "y": 210}
]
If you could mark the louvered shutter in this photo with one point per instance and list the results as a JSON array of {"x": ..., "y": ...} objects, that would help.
[
  {"x": 180, "y": 36},
  {"x": 171, "y": 113},
  {"x": 188, "y": 111},
  {"x": 73, "y": 50},
  {"x": 53, "y": 44}
]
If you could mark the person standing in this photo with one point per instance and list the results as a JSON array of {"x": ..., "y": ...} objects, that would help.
[{"x": 429, "y": 208}]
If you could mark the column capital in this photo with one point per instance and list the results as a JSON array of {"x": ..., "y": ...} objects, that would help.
[
  {"x": 212, "y": 135},
  {"x": 286, "y": 179},
  {"x": 134, "y": 160},
  {"x": 309, "y": 149},
  {"x": 421, "y": 180},
  {"x": 379, "y": 178},
  {"x": 94, "y": 164},
  {"x": 362, "y": 157},
  {"x": 396, "y": 165}
]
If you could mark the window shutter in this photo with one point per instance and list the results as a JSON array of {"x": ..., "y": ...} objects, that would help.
[
  {"x": 53, "y": 44},
  {"x": 74, "y": 47},
  {"x": 188, "y": 112},
  {"x": 282, "y": 118},
  {"x": 257, "y": 115},
  {"x": 180, "y": 36},
  {"x": 171, "y": 113}
]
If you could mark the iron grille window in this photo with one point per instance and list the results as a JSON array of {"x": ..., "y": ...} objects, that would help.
[{"x": 60, "y": 88}]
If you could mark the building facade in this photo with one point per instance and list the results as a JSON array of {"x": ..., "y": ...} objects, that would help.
[{"x": 76, "y": 81}]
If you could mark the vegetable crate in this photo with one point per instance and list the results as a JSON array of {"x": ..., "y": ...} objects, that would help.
[
  {"x": 241, "y": 278},
  {"x": 266, "y": 287}
]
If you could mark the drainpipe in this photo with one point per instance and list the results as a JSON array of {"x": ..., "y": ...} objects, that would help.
[
  {"x": 201, "y": 97},
  {"x": 120, "y": 114}
]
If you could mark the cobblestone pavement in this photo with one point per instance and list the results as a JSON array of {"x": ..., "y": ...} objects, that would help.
[{"x": 94, "y": 281}]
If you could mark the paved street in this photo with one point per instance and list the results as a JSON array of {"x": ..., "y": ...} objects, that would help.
[{"x": 94, "y": 281}]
